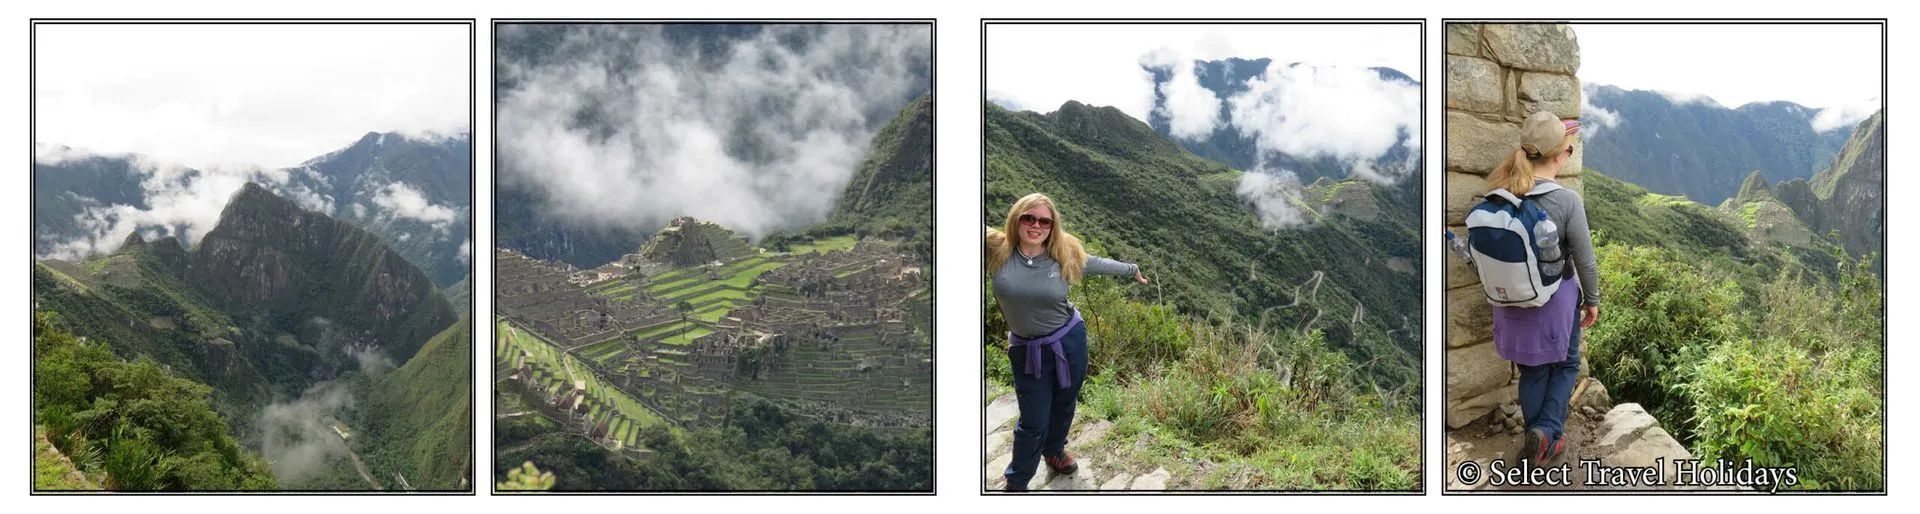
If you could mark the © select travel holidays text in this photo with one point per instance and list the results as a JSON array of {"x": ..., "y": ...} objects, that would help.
[{"x": 1684, "y": 473}]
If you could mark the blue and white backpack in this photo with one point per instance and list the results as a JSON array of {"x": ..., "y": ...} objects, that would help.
[{"x": 1507, "y": 252}]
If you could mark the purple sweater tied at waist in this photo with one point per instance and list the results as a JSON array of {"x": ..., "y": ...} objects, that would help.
[
  {"x": 1532, "y": 336},
  {"x": 1061, "y": 371}
]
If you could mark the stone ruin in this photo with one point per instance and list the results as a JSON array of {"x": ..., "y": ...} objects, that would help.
[{"x": 1497, "y": 75}]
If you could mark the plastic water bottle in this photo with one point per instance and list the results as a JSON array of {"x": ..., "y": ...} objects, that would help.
[
  {"x": 1548, "y": 237},
  {"x": 1459, "y": 247}
]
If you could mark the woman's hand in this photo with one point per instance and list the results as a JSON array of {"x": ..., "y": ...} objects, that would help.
[
  {"x": 1137, "y": 276},
  {"x": 1591, "y": 315}
]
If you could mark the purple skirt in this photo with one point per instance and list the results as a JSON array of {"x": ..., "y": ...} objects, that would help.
[{"x": 1532, "y": 336}]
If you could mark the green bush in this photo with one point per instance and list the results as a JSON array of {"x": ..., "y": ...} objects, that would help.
[
  {"x": 1130, "y": 336},
  {"x": 1660, "y": 315},
  {"x": 1786, "y": 372},
  {"x": 1779, "y": 405},
  {"x": 135, "y": 423},
  {"x": 1805, "y": 391}
]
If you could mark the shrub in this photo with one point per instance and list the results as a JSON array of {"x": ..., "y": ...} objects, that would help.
[{"x": 1660, "y": 316}]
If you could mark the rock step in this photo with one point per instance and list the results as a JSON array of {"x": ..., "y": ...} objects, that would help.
[{"x": 1087, "y": 478}]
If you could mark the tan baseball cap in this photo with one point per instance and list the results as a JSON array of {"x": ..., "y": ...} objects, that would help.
[{"x": 1544, "y": 133}]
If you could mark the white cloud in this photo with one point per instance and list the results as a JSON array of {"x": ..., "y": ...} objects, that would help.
[
  {"x": 760, "y": 134},
  {"x": 1820, "y": 66},
  {"x": 1192, "y": 110},
  {"x": 1845, "y": 115},
  {"x": 1275, "y": 196},
  {"x": 466, "y": 251},
  {"x": 404, "y": 201},
  {"x": 1041, "y": 66},
  {"x": 1594, "y": 119},
  {"x": 181, "y": 202},
  {"x": 1343, "y": 112},
  {"x": 1685, "y": 98},
  {"x": 234, "y": 95}
]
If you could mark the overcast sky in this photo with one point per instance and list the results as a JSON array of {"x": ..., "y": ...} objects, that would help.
[
  {"x": 1822, "y": 66},
  {"x": 1039, "y": 67},
  {"x": 245, "y": 95}
]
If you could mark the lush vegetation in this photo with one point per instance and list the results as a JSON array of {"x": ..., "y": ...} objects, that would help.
[
  {"x": 133, "y": 425},
  {"x": 1742, "y": 347},
  {"x": 241, "y": 335},
  {"x": 761, "y": 447},
  {"x": 1183, "y": 390},
  {"x": 417, "y": 420},
  {"x": 1140, "y": 197},
  {"x": 891, "y": 193}
]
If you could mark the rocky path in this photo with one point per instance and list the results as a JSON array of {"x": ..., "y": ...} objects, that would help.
[
  {"x": 1617, "y": 435},
  {"x": 1093, "y": 475}
]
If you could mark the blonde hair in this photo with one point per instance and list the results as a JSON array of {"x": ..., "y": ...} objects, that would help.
[
  {"x": 1061, "y": 246},
  {"x": 1516, "y": 173}
]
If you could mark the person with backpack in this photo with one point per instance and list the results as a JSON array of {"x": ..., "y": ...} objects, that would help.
[
  {"x": 1031, "y": 261},
  {"x": 1520, "y": 240}
]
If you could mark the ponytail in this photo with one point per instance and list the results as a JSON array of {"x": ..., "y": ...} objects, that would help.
[{"x": 1514, "y": 175}]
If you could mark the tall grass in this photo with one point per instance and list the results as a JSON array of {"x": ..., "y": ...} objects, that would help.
[{"x": 1280, "y": 410}]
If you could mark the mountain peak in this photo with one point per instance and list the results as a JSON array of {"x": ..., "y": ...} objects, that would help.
[
  {"x": 687, "y": 241},
  {"x": 1753, "y": 188},
  {"x": 1108, "y": 128}
]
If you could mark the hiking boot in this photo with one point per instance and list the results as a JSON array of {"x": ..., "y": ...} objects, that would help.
[
  {"x": 1550, "y": 452},
  {"x": 1532, "y": 444},
  {"x": 1062, "y": 465}
]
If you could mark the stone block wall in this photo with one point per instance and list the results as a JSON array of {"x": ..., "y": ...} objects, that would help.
[{"x": 1497, "y": 75}]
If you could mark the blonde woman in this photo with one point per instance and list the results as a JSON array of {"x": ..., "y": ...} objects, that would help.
[
  {"x": 1032, "y": 261},
  {"x": 1544, "y": 341}
]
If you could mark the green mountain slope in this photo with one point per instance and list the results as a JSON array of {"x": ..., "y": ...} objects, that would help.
[
  {"x": 134, "y": 426},
  {"x": 1848, "y": 197},
  {"x": 356, "y": 183},
  {"x": 418, "y": 419},
  {"x": 1700, "y": 149},
  {"x": 272, "y": 259},
  {"x": 891, "y": 193},
  {"x": 275, "y": 304},
  {"x": 1745, "y": 333},
  {"x": 1139, "y": 197}
]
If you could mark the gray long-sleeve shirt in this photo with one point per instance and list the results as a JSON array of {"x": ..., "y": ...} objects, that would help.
[
  {"x": 1569, "y": 213},
  {"x": 1033, "y": 296}
]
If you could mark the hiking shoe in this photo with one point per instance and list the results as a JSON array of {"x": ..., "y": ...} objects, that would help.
[
  {"x": 1012, "y": 487},
  {"x": 1550, "y": 452},
  {"x": 1532, "y": 444},
  {"x": 1063, "y": 465}
]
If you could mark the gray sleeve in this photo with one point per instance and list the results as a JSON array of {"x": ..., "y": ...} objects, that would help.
[
  {"x": 1105, "y": 266},
  {"x": 1579, "y": 243}
]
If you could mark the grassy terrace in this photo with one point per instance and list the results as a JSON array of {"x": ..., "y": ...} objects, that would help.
[
  {"x": 831, "y": 244},
  {"x": 683, "y": 339},
  {"x": 550, "y": 365}
]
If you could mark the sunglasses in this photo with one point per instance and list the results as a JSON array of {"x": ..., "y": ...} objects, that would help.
[{"x": 1031, "y": 220}]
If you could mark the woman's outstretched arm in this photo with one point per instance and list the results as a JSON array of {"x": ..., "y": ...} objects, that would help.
[{"x": 1105, "y": 266}]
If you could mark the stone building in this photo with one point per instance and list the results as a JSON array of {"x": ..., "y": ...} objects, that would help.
[{"x": 1497, "y": 75}]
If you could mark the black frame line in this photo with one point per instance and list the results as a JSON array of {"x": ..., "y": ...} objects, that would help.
[
  {"x": 933, "y": 82},
  {"x": 472, "y": 195},
  {"x": 1422, "y": 472},
  {"x": 1441, "y": 251}
]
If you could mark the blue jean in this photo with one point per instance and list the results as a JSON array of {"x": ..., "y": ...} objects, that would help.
[
  {"x": 1046, "y": 409},
  {"x": 1545, "y": 390}
]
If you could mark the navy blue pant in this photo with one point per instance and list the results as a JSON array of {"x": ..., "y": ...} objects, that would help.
[
  {"x": 1046, "y": 409},
  {"x": 1546, "y": 389}
]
